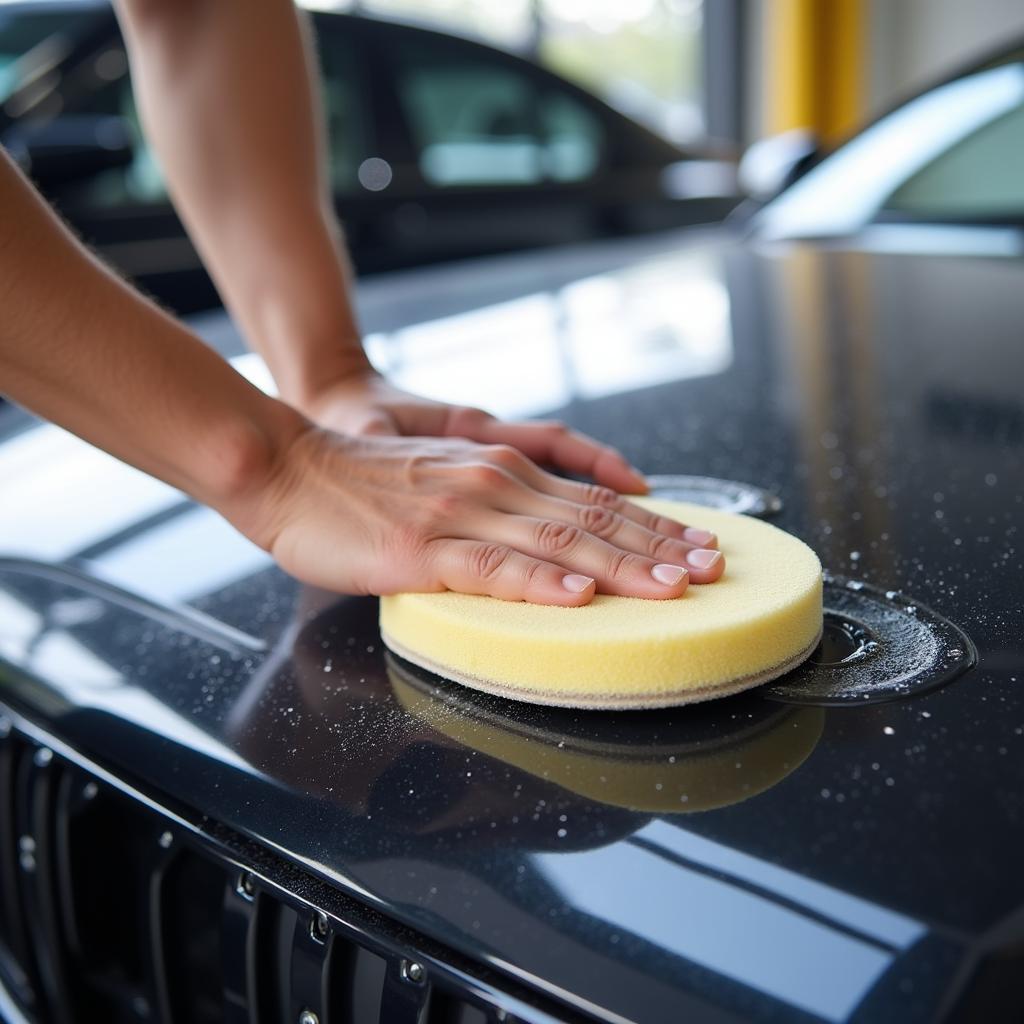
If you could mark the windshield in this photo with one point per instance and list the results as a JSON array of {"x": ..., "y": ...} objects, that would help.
[
  {"x": 955, "y": 154},
  {"x": 33, "y": 43}
]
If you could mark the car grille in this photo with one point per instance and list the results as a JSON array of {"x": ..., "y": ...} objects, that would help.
[{"x": 115, "y": 908}]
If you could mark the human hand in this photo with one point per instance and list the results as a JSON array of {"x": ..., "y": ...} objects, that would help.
[
  {"x": 381, "y": 515},
  {"x": 363, "y": 403}
]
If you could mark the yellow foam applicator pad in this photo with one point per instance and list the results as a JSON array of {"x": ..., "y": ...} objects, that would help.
[{"x": 762, "y": 618}]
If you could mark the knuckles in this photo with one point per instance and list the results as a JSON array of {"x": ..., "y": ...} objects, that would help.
[
  {"x": 465, "y": 421},
  {"x": 556, "y": 539},
  {"x": 623, "y": 565},
  {"x": 503, "y": 456},
  {"x": 603, "y": 497},
  {"x": 598, "y": 520},
  {"x": 486, "y": 561},
  {"x": 483, "y": 477}
]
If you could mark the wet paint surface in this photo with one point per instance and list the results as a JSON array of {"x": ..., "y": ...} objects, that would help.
[{"x": 774, "y": 861}]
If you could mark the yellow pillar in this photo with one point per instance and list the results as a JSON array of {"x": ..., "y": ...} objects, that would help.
[{"x": 815, "y": 65}]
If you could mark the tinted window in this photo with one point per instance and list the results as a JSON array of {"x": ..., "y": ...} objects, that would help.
[
  {"x": 21, "y": 34},
  {"x": 573, "y": 138},
  {"x": 475, "y": 122},
  {"x": 981, "y": 176},
  {"x": 142, "y": 181}
]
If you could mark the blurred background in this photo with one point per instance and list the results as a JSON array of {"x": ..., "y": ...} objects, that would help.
[
  {"x": 465, "y": 128},
  {"x": 661, "y": 61}
]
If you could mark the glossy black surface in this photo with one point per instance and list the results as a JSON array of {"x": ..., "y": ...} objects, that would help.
[{"x": 741, "y": 859}]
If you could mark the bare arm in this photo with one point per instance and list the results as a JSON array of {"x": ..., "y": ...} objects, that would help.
[
  {"x": 80, "y": 347},
  {"x": 227, "y": 91},
  {"x": 366, "y": 515}
]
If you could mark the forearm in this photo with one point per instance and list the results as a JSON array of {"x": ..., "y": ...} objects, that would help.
[
  {"x": 227, "y": 92},
  {"x": 81, "y": 348}
]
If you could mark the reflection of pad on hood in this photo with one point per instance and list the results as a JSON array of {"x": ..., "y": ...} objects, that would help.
[
  {"x": 762, "y": 618},
  {"x": 685, "y": 766}
]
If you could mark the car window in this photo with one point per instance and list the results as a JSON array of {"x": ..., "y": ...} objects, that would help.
[
  {"x": 139, "y": 182},
  {"x": 965, "y": 136},
  {"x": 31, "y": 45},
  {"x": 142, "y": 181},
  {"x": 980, "y": 177},
  {"x": 475, "y": 122},
  {"x": 573, "y": 138}
]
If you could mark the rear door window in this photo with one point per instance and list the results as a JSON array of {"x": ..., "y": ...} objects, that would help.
[
  {"x": 480, "y": 122},
  {"x": 142, "y": 181},
  {"x": 31, "y": 44}
]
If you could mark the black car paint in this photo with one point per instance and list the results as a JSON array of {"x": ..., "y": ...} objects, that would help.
[{"x": 855, "y": 863}]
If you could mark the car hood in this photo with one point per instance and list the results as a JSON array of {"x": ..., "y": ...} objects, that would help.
[{"x": 743, "y": 858}]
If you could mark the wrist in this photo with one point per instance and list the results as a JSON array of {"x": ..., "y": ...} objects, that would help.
[
  {"x": 245, "y": 459},
  {"x": 309, "y": 389}
]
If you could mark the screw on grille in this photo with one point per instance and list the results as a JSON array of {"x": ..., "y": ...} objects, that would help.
[
  {"x": 6, "y": 725},
  {"x": 308, "y": 1017},
  {"x": 412, "y": 971},
  {"x": 246, "y": 887},
  {"x": 319, "y": 926},
  {"x": 165, "y": 840},
  {"x": 43, "y": 756},
  {"x": 90, "y": 790}
]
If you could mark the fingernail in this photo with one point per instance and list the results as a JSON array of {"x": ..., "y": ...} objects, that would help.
[
  {"x": 694, "y": 535},
  {"x": 670, "y": 575},
  {"x": 577, "y": 584},
  {"x": 702, "y": 558}
]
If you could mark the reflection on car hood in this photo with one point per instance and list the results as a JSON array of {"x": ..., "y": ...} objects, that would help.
[{"x": 856, "y": 862}]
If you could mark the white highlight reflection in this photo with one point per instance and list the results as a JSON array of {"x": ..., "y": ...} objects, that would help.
[{"x": 740, "y": 931}]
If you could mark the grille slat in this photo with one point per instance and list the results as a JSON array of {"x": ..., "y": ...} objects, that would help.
[
  {"x": 309, "y": 957},
  {"x": 153, "y": 917},
  {"x": 34, "y": 799},
  {"x": 16, "y": 959},
  {"x": 264, "y": 996},
  {"x": 69, "y": 793},
  {"x": 403, "y": 1001},
  {"x": 236, "y": 925}
]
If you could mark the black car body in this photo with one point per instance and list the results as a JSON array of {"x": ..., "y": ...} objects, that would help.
[
  {"x": 439, "y": 148},
  {"x": 221, "y": 799}
]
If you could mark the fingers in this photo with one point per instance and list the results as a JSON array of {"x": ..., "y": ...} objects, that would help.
[
  {"x": 515, "y": 486},
  {"x": 703, "y": 565},
  {"x": 553, "y": 443},
  {"x": 595, "y": 496},
  {"x": 615, "y": 569},
  {"x": 494, "y": 570}
]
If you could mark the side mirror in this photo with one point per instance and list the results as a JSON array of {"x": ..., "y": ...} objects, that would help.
[
  {"x": 70, "y": 148},
  {"x": 773, "y": 164}
]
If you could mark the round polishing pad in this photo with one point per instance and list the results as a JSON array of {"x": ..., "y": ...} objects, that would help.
[{"x": 762, "y": 618}]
